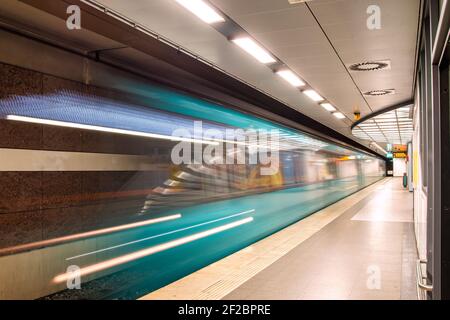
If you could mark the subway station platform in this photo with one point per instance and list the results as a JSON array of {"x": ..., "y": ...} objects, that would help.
[
  {"x": 362, "y": 247},
  {"x": 224, "y": 150}
]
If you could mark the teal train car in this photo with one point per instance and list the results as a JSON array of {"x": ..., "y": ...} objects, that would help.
[{"x": 143, "y": 191}]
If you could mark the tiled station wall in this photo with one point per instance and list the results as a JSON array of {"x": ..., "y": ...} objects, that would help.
[{"x": 54, "y": 202}]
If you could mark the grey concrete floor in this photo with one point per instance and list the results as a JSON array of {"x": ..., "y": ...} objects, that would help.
[{"x": 368, "y": 252}]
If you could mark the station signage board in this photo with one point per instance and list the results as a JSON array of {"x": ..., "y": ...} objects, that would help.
[
  {"x": 401, "y": 155},
  {"x": 400, "y": 148}
]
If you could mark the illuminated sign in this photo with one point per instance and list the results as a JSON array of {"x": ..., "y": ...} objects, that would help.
[
  {"x": 400, "y": 148},
  {"x": 389, "y": 155},
  {"x": 400, "y": 155}
]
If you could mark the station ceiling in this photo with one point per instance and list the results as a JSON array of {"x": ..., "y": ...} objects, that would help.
[
  {"x": 394, "y": 126},
  {"x": 319, "y": 40}
]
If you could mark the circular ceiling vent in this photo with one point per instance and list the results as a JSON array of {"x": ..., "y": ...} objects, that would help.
[
  {"x": 377, "y": 93},
  {"x": 370, "y": 66}
]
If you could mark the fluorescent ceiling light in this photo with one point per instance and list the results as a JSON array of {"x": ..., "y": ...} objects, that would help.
[
  {"x": 291, "y": 77},
  {"x": 254, "y": 49},
  {"x": 376, "y": 145},
  {"x": 313, "y": 95},
  {"x": 328, "y": 107},
  {"x": 339, "y": 115},
  {"x": 202, "y": 10},
  {"x": 105, "y": 129}
]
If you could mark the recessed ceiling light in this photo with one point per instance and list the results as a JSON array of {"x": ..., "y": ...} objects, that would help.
[
  {"x": 202, "y": 10},
  {"x": 291, "y": 77},
  {"x": 371, "y": 66},
  {"x": 383, "y": 92},
  {"x": 254, "y": 49},
  {"x": 328, "y": 107},
  {"x": 313, "y": 95},
  {"x": 339, "y": 115}
]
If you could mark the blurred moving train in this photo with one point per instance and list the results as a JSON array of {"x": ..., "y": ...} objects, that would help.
[{"x": 138, "y": 221}]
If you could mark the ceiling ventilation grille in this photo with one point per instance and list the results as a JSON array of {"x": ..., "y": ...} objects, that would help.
[
  {"x": 377, "y": 93},
  {"x": 371, "y": 66}
]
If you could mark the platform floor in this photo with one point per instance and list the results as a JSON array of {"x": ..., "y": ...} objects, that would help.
[{"x": 361, "y": 247}]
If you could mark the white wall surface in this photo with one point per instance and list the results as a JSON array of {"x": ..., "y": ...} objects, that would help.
[{"x": 399, "y": 167}]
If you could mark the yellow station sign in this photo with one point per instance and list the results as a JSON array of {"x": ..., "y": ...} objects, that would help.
[{"x": 400, "y": 155}]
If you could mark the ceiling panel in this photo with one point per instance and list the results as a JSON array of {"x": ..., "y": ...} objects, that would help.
[
  {"x": 304, "y": 48},
  {"x": 323, "y": 60},
  {"x": 25, "y": 17},
  {"x": 394, "y": 127},
  {"x": 277, "y": 20},
  {"x": 344, "y": 22},
  {"x": 185, "y": 29},
  {"x": 319, "y": 51}
]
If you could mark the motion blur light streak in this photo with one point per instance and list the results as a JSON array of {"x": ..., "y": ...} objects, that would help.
[
  {"x": 105, "y": 129},
  {"x": 209, "y": 141},
  {"x": 149, "y": 251},
  {"x": 159, "y": 235},
  {"x": 91, "y": 233}
]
